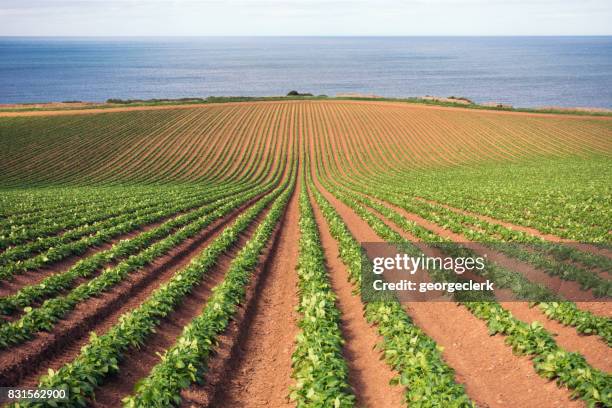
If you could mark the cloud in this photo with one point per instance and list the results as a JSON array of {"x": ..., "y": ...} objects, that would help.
[{"x": 307, "y": 17}]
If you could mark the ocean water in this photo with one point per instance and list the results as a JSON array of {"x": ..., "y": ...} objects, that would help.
[{"x": 522, "y": 71}]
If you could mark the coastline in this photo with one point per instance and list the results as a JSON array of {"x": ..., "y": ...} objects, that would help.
[{"x": 9, "y": 110}]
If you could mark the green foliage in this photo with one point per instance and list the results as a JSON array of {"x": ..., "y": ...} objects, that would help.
[
  {"x": 550, "y": 360},
  {"x": 428, "y": 380},
  {"x": 296, "y": 93},
  {"x": 186, "y": 361},
  {"x": 100, "y": 357},
  {"x": 52, "y": 310},
  {"x": 568, "y": 197},
  {"x": 546, "y": 256},
  {"x": 319, "y": 369},
  {"x": 47, "y": 250},
  {"x": 84, "y": 268}
]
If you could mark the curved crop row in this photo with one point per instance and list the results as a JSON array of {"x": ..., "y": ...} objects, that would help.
[
  {"x": 550, "y": 360},
  {"x": 584, "y": 321},
  {"x": 42, "y": 243},
  {"x": 82, "y": 220},
  {"x": 186, "y": 361},
  {"x": 429, "y": 381},
  {"x": 62, "y": 251},
  {"x": 86, "y": 267},
  {"x": 45, "y": 316},
  {"x": 99, "y": 358},
  {"x": 319, "y": 369},
  {"x": 553, "y": 305}
]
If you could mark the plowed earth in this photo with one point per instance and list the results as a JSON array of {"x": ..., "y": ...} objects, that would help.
[{"x": 349, "y": 144}]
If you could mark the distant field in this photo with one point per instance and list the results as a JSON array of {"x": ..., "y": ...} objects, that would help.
[{"x": 227, "y": 239}]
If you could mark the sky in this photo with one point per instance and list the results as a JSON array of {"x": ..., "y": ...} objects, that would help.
[{"x": 303, "y": 17}]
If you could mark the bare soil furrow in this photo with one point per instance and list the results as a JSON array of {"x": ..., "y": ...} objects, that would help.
[
  {"x": 369, "y": 375},
  {"x": 252, "y": 367},
  {"x": 138, "y": 362},
  {"x": 493, "y": 376}
]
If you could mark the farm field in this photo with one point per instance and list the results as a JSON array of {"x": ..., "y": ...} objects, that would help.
[{"x": 212, "y": 255}]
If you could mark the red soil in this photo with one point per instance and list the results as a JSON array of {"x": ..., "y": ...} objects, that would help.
[
  {"x": 253, "y": 364},
  {"x": 252, "y": 367},
  {"x": 369, "y": 375},
  {"x": 595, "y": 350},
  {"x": 139, "y": 362}
]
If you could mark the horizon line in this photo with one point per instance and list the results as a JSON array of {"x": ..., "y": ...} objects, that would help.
[{"x": 301, "y": 35}]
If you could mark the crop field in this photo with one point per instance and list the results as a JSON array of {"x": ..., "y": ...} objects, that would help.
[{"x": 212, "y": 255}]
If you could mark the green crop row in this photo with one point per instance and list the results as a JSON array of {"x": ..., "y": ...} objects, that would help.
[
  {"x": 453, "y": 181},
  {"x": 428, "y": 380},
  {"x": 77, "y": 222},
  {"x": 567, "y": 197},
  {"x": 27, "y": 206},
  {"x": 568, "y": 314},
  {"x": 186, "y": 361},
  {"x": 166, "y": 146},
  {"x": 45, "y": 316},
  {"x": 550, "y": 360},
  {"x": 62, "y": 251},
  {"x": 86, "y": 267},
  {"x": 101, "y": 356},
  {"x": 475, "y": 229},
  {"x": 319, "y": 369},
  {"x": 86, "y": 231}
]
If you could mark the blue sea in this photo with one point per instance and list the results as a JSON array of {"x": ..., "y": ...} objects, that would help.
[{"x": 522, "y": 71}]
